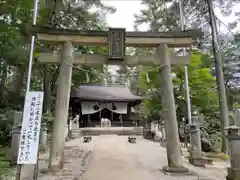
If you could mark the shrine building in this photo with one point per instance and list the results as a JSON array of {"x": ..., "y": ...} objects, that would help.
[{"x": 94, "y": 102}]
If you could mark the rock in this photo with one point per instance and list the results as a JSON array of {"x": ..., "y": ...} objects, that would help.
[
  {"x": 87, "y": 139},
  {"x": 206, "y": 145}
]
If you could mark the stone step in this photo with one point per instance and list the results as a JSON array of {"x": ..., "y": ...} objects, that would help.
[{"x": 108, "y": 131}]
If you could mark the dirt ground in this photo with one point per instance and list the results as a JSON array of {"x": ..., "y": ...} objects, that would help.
[
  {"x": 114, "y": 158},
  {"x": 111, "y": 157},
  {"x": 111, "y": 160}
]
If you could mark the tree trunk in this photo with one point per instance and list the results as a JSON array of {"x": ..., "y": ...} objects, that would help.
[
  {"x": 16, "y": 86},
  {"x": 47, "y": 90},
  {"x": 219, "y": 76},
  {"x": 2, "y": 85}
]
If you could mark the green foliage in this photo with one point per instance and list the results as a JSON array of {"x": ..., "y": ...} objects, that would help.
[
  {"x": 236, "y": 105},
  {"x": 5, "y": 131},
  {"x": 217, "y": 156},
  {"x": 14, "y": 47},
  {"x": 5, "y": 168},
  {"x": 160, "y": 16},
  {"x": 157, "y": 15},
  {"x": 202, "y": 84},
  {"x": 203, "y": 93}
]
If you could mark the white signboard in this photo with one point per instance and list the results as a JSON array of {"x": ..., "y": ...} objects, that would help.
[{"x": 31, "y": 124}]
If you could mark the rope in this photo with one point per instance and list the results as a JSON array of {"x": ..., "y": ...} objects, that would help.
[{"x": 104, "y": 74}]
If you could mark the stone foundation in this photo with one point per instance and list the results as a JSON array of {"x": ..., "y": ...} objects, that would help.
[
  {"x": 125, "y": 131},
  {"x": 177, "y": 170},
  {"x": 233, "y": 174},
  {"x": 200, "y": 162}
]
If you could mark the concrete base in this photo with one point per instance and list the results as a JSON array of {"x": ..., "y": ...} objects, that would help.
[
  {"x": 233, "y": 174},
  {"x": 201, "y": 162},
  {"x": 177, "y": 170}
]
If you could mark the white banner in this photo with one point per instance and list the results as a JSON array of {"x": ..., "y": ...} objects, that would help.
[
  {"x": 88, "y": 107},
  {"x": 31, "y": 124},
  {"x": 118, "y": 107}
]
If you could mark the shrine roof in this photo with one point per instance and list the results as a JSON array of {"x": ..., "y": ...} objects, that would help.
[{"x": 103, "y": 93}]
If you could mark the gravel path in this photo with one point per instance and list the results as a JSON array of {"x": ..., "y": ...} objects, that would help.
[
  {"x": 111, "y": 161},
  {"x": 76, "y": 154},
  {"x": 114, "y": 158},
  {"x": 111, "y": 157},
  {"x": 153, "y": 157}
]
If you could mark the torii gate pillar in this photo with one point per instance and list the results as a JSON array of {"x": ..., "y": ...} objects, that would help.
[
  {"x": 169, "y": 113},
  {"x": 62, "y": 105}
]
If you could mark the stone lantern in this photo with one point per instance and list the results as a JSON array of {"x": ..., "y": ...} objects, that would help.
[
  {"x": 196, "y": 157},
  {"x": 43, "y": 137},
  {"x": 237, "y": 117},
  {"x": 234, "y": 146}
]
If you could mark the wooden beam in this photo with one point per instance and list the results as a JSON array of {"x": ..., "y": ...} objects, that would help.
[
  {"x": 175, "y": 38},
  {"x": 102, "y": 59}
]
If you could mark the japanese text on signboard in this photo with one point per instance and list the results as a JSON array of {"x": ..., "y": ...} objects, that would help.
[{"x": 31, "y": 124}]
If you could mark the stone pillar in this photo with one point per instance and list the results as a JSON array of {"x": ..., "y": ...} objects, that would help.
[
  {"x": 16, "y": 134},
  {"x": 62, "y": 105},
  {"x": 196, "y": 135},
  {"x": 169, "y": 113},
  {"x": 234, "y": 146},
  {"x": 43, "y": 138},
  {"x": 16, "y": 117},
  {"x": 237, "y": 117},
  {"x": 163, "y": 134},
  {"x": 196, "y": 157},
  {"x": 66, "y": 132},
  {"x": 121, "y": 121}
]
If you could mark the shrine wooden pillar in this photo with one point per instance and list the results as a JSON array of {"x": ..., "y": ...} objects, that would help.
[
  {"x": 169, "y": 113},
  {"x": 62, "y": 105}
]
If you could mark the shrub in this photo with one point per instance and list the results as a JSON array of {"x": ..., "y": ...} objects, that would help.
[{"x": 5, "y": 132}]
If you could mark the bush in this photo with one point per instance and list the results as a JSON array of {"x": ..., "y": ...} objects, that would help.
[
  {"x": 217, "y": 155},
  {"x": 5, "y": 132},
  {"x": 47, "y": 120}
]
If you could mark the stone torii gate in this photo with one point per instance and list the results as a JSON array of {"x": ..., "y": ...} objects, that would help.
[{"x": 116, "y": 39}]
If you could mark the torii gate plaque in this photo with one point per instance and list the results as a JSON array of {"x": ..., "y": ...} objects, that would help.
[{"x": 116, "y": 43}]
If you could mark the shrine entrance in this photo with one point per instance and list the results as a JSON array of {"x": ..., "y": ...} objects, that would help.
[
  {"x": 94, "y": 120},
  {"x": 117, "y": 40}
]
